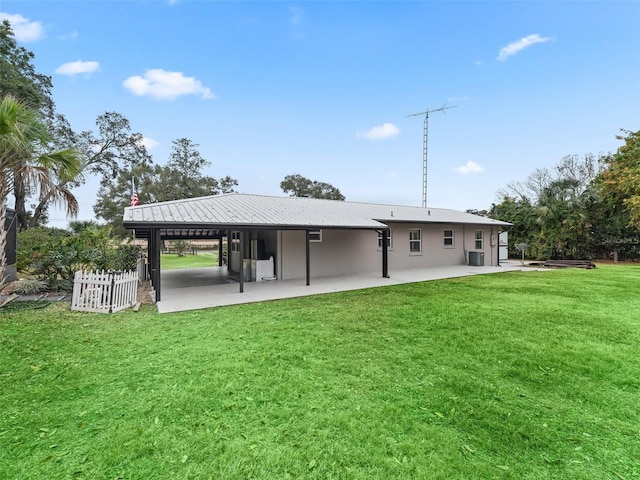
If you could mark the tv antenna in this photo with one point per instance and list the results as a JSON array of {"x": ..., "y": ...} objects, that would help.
[{"x": 424, "y": 146}]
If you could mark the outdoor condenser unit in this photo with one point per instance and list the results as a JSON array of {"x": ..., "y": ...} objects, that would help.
[{"x": 476, "y": 259}]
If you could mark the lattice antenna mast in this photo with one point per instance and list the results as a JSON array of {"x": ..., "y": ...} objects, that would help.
[{"x": 424, "y": 146}]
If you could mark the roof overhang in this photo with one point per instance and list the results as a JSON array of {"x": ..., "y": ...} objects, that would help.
[{"x": 212, "y": 217}]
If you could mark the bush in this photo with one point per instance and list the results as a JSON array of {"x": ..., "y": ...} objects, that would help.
[
  {"x": 56, "y": 260},
  {"x": 34, "y": 242},
  {"x": 125, "y": 257},
  {"x": 181, "y": 247}
]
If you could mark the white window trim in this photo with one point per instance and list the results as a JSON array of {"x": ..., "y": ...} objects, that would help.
[
  {"x": 480, "y": 239},
  {"x": 235, "y": 241},
  {"x": 389, "y": 241},
  {"x": 317, "y": 233},
  {"x": 418, "y": 240},
  {"x": 452, "y": 237}
]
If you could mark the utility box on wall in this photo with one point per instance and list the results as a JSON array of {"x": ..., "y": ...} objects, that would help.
[{"x": 476, "y": 259}]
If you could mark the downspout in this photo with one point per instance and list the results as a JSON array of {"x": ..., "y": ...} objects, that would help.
[
  {"x": 241, "y": 261},
  {"x": 498, "y": 246},
  {"x": 494, "y": 246},
  {"x": 308, "y": 251},
  {"x": 385, "y": 253},
  {"x": 464, "y": 243}
]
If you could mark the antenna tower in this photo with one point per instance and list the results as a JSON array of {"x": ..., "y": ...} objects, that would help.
[{"x": 424, "y": 146}]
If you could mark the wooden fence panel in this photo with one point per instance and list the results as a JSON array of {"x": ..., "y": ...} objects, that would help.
[
  {"x": 104, "y": 292},
  {"x": 125, "y": 291}
]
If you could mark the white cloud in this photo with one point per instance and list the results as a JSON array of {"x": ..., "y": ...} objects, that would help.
[
  {"x": 23, "y": 29},
  {"x": 519, "y": 45},
  {"x": 297, "y": 15},
  {"x": 162, "y": 84},
  {"x": 149, "y": 143},
  {"x": 381, "y": 132},
  {"x": 77, "y": 67},
  {"x": 71, "y": 36},
  {"x": 469, "y": 168}
]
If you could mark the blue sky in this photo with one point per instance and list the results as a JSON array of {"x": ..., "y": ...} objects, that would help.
[{"x": 322, "y": 89}]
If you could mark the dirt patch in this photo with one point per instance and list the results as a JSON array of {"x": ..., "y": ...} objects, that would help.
[
  {"x": 9, "y": 288},
  {"x": 144, "y": 293}
]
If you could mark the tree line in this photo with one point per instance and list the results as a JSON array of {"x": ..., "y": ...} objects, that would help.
[{"x": 585, "y": 207}]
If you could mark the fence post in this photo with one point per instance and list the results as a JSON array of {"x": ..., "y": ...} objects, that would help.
[{"x": 113, "y": 287}]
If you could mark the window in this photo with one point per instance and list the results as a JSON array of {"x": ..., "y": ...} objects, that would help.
[
  {"x": 415, "y": 241},
  {"x": 448, "y": 239},
  {"x": 235, "y": 241},
  {"x": 315, "y": 235},
  {"x": 479, "y": 240},
  {"x": 389, "y": 242}
]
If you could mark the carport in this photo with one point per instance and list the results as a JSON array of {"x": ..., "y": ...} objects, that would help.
[{"x": 237, "y": 219}]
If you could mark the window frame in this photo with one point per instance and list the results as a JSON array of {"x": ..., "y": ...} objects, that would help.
[
  {"x": 451, "y": 237},
  {"x": 315, "y": 236},
  {"x": 479, "y": 240},
  {"x": 412, "y": 241},
  {"x": 235, "y": 241}
]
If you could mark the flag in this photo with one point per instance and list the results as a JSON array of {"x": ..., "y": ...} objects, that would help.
[{"x": 134, "y": 194}]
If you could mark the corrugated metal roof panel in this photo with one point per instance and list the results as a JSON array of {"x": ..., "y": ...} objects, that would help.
[{"x": 262, "y": 210}]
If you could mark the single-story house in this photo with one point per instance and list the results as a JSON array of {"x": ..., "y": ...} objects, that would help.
[{"x": 283, "y": 238}]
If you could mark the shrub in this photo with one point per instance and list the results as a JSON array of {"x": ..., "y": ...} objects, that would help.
[
  {"x": 30, "y": 286},
  {"x": 34, "y": 242},
  {"x": 56, "y": 260},
  {"x": 181, "y": 246},
  {"x": 125, "y": 257}
]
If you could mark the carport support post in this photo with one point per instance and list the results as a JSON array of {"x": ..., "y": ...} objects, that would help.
[
  {"x": 220, "y": 251},
  {"x": 385, "y": 254},
  {"x": 154, "y": 260},
  {"x": 308, "y": 261},
  {"x": 241, "y": 261}
]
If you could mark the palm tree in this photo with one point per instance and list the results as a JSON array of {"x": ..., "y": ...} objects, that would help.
[{"x": 24, "y": 159}]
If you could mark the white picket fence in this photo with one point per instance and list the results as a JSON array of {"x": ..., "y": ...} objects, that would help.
[{"x": 104, "y": 292}]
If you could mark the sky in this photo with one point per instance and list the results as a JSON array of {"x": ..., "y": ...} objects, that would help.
[{"x": 324, "y": 89}]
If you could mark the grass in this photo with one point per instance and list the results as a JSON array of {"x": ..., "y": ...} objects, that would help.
[
  {"x": 171, "y": 261},
  {"x": 507, "y": 376}
]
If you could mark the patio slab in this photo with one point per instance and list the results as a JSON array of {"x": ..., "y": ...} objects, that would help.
[{"x": 210, "y": 287}]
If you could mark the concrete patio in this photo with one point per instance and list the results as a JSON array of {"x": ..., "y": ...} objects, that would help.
[{"x": 199, "y": 288}]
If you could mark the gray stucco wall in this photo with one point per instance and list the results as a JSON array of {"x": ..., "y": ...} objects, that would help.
[
  {"x": 341, "y": 252},
  {"x": 348, "y": 252}
]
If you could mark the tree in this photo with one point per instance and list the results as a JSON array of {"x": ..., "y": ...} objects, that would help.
[
  {"x": 105, "y": 154},
  {"x": 18, "y": 76},
  {"x": 621, "y": 177},
  {"x": 552, "y": 210},
  {"x": 475, "y": 211},
  {"x": 522, "y": 214},
  {"x": 112, "y": 199},
  {"x": 180, "y": 178},
  {"x": 564, "y": 222},
  {"x": 298, "y": 186},
  {"x": 113, "y": 150},
  {"x": 22, "y": 137}
]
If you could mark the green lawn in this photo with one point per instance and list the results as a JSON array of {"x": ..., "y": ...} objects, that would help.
[
  {"x": 171, "y": 261},
  {"x": 532, "y": 375}
]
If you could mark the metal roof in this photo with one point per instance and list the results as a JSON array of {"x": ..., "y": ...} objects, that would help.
[{"x": 237, "y": 210}]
